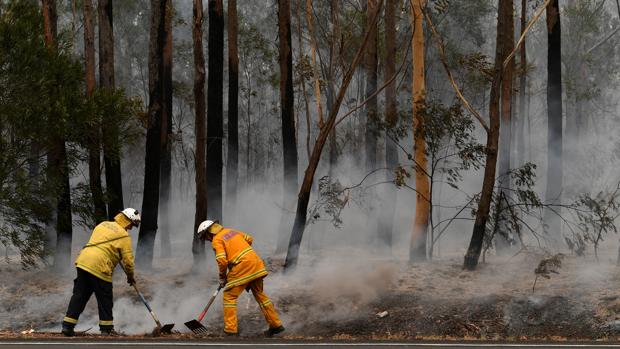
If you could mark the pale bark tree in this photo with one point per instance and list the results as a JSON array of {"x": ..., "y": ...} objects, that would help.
[{"x": 417, "y": 250}]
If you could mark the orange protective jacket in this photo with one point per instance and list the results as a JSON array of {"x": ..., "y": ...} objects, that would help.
[{"x": 233, "y": 251}]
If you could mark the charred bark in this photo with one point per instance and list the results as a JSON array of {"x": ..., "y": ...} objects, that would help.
[
  {"x": 215, "y": 100},
  {"x": 94, "y": 154},
  {"x": 301, "y": 213},
  {"x": 289, "y": 143},
  {"x": 554, "y": 118},
  {"x": 111, "y": 146},
  {"x": 150, "y": 198},
  {"x": 482, "y": 213},
  {"x": 232, "y": 163},
  {"x": 166, "y": 136},
  {"x": 198, "y": 246}
]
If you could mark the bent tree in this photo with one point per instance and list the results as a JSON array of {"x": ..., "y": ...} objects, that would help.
[{"x": 303, "y": 197}]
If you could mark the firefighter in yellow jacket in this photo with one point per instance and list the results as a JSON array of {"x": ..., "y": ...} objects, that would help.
[
  {"x": 109, "y": 244},
  {"x": 239, "y": 268}
]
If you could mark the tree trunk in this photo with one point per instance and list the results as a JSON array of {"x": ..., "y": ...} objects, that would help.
[
  {"x": 315, "y": 68},
  {"x": 287, "y": 102},
  {"x": 522, "y": 87},
  {"x": 301, "y": 213},
  {"x": 198, "y": 246},
  {"x": 166, "y": 137},
  {"x": 371, "y": 87},
  {"x": 215, "y": 100},
  {"x": 333, "y": 56},
  {"x": 58, "y": 167},
  {"x": 482, "y": 213},
  {"x": 502, "y": 242},
  {"x": 391, "y": 119},
  {"x": 150, "y": 197},
  {"x": 232, "y": 164},
  {"x": 554, "y": 119},
  {"x": 417, "y": 250},
  {"x": 94, "y": 155},
  {"x": 111, "y": 146}
]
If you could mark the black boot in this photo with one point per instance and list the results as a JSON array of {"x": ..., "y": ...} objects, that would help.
[
  {"x": 68, "y": 331},
  {"x": 273, "y": 331}
]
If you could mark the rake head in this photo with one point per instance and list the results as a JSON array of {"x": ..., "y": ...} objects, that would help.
[
  {"x": 196, "y": 327},
  {"x": 165, "y": 329}
]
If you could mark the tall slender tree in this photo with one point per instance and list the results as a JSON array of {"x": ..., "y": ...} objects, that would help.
[
  {"x": 417, "y": 250},
  {"x": 152, "y": 168},
  {"x": 287, "y": 113},
  {"x": 215, "y": 100},
  {"x": 166, "y": 137},
  {"x": 94, "y": 144},
  {"x": 521, "y": 121},
  {"x": 504, "y": 35},
  {"x": 198, "y": 246},
  {"x": 554, "y": 117},
  {"x": 371, "y": 67},
  {"x": 303, "y": 198},
  {"x": 391, "y": 118},
  {"x": 232, "y": 163},
  {"x": 57, "y": 164},
  {"x": 502, "y": 241},
  {"x": 111, "y": 146}
]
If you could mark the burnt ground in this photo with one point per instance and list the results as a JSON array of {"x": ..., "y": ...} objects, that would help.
[{"x": 340, "y": 300}]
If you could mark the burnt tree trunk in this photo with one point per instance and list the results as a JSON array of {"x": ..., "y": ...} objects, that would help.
[
  {"x": 287, "y": 104},
  {"x": 111, "y": 146},
  {"x": 371, "y": 87},
  {"x": 502, "y": 240},
  {"x": 57, "y": 164},
  {"x": 150, "y": 198},
  {"x": 232, "y": 164},
  {"x": 303, "y": 197},
  {"x": 198, "y": 246},
  {"x": 482, "y": 213},
  {"x": 94, "y": 144},
  {"x": 520, "y": 136},
  {"x": 215, "y": 119},
  {"x": 166, "y": 137},
  {"x": 554, "y": 119},
  {"x": 391, "y": 119}
]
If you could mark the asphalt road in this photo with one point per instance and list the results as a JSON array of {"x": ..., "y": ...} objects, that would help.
[{"x": 156, "y": 344}]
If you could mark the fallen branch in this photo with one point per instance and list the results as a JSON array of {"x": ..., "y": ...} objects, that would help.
[{"x": 527, "y": 29}]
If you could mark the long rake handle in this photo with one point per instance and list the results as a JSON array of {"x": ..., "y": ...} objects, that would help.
[
  {"x": 135, "y": 287},
  {"x": 204, "y": 311}
]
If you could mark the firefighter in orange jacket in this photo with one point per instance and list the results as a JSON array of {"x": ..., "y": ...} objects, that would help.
[
  {"x": 239, "y": 268},
  {"x": 109, "y": 244}
]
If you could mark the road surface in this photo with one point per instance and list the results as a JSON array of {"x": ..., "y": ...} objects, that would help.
[{"x": 160, "y": 344}]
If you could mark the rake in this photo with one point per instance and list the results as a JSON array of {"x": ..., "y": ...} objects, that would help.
[{"x": 195, "y": 325}]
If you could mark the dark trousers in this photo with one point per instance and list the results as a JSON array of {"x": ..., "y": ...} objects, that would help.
[{"x": 83, "y": 287}]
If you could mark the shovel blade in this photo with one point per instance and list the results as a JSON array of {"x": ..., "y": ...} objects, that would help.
[
  {"x": 196, "y": 326},
  {"x": 167, "y": 328}
]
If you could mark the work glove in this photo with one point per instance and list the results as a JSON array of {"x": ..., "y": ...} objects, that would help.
[
  {"x": 130, "y": 280},
  {"x": 222, "y": 282}
]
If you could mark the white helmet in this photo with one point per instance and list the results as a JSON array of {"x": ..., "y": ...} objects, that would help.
[
  {"x": 133, "y": 216},
  {"x": 203, "y": 227}
]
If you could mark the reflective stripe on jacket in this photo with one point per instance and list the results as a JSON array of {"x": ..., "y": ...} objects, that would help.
[
  {"x": 233, "y": 251},
  {"x": 108, "y": 243}
]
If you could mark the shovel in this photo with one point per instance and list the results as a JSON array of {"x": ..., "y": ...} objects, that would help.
[
  {"x": 167, "y": 328},
  {"x": 195, "y": 325}
]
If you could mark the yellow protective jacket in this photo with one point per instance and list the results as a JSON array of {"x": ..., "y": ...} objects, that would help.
[
  {"x": 233, "y": 251},
  {"x": 108, "y": 243}
]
